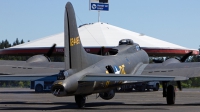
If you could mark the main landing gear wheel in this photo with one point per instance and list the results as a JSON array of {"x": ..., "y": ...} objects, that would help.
[
  {"x": 170, "y": 95},
  {"x": 80, "y": 101}
]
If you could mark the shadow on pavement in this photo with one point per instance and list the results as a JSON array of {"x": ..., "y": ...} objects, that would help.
[{"x": 89, "y": 106}]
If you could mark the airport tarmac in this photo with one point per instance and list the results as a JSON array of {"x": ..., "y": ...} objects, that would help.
[{"x": 24, "y": 99}]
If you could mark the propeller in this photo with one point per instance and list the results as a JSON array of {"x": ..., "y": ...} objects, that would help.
[
  {"x": 42, "y": 57},
  {"x": 183, "y": 59},
  {"x": 50, "y": 52}
]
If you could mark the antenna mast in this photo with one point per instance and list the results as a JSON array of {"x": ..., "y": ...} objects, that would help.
[{"x": 98, "y": 15}]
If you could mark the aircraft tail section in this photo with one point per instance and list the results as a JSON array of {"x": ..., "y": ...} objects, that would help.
[{"x": 73, "y": 48}]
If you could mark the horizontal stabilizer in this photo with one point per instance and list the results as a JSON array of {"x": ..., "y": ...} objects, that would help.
[{"x": 128, "y": 77}]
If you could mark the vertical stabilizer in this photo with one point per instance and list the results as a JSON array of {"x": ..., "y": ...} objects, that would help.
[{"x": 73, "y": 47}]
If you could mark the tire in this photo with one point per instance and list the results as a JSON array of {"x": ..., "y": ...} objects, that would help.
[
  {"x": 170, "y": 95},
  {"x": 38, "y": 88},
  {"x": 80, "y": 101},
  {"x": 156, "y": 88}
]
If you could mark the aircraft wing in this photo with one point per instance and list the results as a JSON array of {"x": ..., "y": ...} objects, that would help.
[
  {"x": 22, "y": 67},
  {"x": 188, "y": 70},
  {"x": 129, "y": 77}
]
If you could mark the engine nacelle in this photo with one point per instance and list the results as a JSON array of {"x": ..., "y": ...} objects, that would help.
[
  {"x": 107, "y": 95},
  {"x": 37, "y": 58},
  {"x": 170, "y": 61}
]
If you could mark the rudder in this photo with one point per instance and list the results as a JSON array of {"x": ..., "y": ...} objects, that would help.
[{"x": 73, "y": 48}]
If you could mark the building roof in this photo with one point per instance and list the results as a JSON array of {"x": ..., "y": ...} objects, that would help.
[{"x": 96, "y": 35}]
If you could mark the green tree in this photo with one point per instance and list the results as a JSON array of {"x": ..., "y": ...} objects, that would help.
[
  {"x": 21, "y": 84},
  {"x": 17, "y": 42},
  {"x": 187, "y": 83},
  {"x": 22, "y": 41}
]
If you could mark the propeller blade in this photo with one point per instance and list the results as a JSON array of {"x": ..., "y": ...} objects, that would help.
[
  {"x": 179, "y": 85},
  {"x": 185, "y": 56},
  {"x": 50, "y": 52}
]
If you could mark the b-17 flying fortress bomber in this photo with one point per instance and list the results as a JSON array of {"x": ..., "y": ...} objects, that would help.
[
  {"x": 83, "y": 74},
  {"x": 125, "y": 64}
]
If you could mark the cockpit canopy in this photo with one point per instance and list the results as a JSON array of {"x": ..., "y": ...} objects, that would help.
[{"x": 126, "y": 42}]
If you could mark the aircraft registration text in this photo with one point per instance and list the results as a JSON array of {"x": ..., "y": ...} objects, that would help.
[{"x": 74, "y": 41}]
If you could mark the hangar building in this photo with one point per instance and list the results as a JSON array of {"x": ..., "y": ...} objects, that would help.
[{"x": 94, "y": 36}]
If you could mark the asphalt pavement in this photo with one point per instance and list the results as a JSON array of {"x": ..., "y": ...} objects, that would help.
[{"x": 24, "y": 99}]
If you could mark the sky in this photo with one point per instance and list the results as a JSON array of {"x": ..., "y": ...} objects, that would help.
[{"x": 175, "y": 21}]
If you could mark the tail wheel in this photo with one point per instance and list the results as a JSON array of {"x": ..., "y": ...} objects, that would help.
[
  {"x": 80, "y": 101},
  {"x": 170, "y": 95}
]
